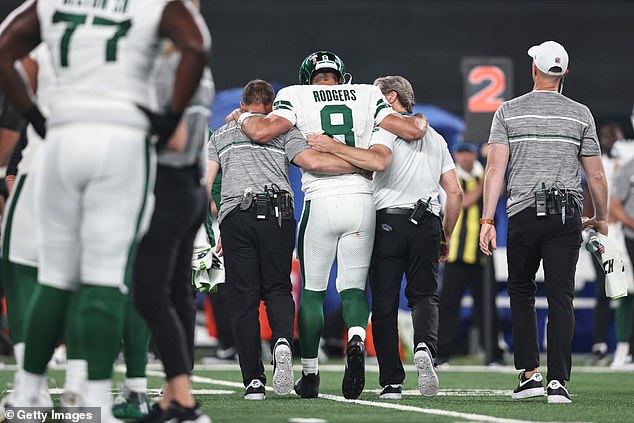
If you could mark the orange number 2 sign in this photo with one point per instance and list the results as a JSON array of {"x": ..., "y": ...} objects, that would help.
[{"x": 486, "y": 99}]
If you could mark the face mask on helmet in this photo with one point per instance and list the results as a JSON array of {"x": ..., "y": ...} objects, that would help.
[{"x": 321, "y": 61}]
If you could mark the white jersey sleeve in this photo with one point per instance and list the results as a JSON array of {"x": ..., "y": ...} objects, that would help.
[
  {"x": 284, "y": 105},
  {"x": 381, "y": 107},
  {"x": 382, "y": 137}
]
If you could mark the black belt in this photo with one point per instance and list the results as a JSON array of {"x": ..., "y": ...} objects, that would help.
[{"x": 395, "y": 210}]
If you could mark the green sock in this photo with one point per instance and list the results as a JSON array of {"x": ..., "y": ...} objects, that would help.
[
  {"x": 622, "y": 317},
  {"x": 44, "y": 324},
  {"x": 19, "y": 285},
  {"x": 99, "y": 327},
  {"x": 310, "y": 321},
  {"x": 136, "y": 339},
  {"x": 73, "y": 342},
  {"x": 356, "y": 309}
]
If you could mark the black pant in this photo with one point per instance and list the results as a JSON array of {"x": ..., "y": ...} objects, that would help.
[
  {"x": 456, "y": 277},
  {"x": 531, "y": 240},
  {"x": 222, "y": 316},
  {"x": 629, "y": 244},
  {"x": 258, "y": 257},
  {"x": 162, "y": 290},
  {"x": 400, "y": 247}
]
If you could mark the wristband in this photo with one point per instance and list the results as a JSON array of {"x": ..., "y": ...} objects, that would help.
[
  {"x": 244, "y": 116},
  {"x": 487, "y": 221}
]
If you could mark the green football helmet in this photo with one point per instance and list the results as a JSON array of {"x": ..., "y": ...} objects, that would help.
[{"x": 319, "y": 61}]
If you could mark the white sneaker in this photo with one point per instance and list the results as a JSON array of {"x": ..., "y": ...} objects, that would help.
[
  {"x": 283, "y": 377},
  {"x": 427, "y": 378},
  {"x": 620, "y": 355}
]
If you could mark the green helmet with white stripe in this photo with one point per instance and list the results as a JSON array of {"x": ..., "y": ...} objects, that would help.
[{"x": 321, "y": 61}]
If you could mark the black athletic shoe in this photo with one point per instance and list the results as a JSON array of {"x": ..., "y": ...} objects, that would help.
[
  {"x": 529, "y": 387},
  {"x": 392, "y": 392},
  {"x": 308, "y": 385},
  {"x": 354, "y": 375},
  {"x": 255, "y": 390},
  {"x": 156, "y": 415},
  {"x": 557, "y": 393}
]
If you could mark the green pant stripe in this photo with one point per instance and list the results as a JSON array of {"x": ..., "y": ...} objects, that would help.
[
  {"x": 300, "y": 239},
  {"x": 135, "y": 243},
  {"x": 9, "y": 222}
]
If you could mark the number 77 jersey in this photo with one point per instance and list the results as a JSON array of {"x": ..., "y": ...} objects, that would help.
[
  {"x": 347, "y": 112},
  {"x": 102, "y": 52}
]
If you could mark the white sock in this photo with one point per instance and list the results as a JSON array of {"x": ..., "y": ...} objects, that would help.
[
  {"x": 18, "y": 352},
  {"x": 28, "y": 389},
  {"x": 356, "y": 330},
  {"x": 97, "y": 394},
  {"x": 76, "y": 375},
  {"x": 136, "y": 384},
  {"x": 310, "y": 365}
]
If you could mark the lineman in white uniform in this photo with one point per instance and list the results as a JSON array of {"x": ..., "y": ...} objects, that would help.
[
  {"x": 338, "y": 216},
  {"x": 19, "y": 226},
  {"x": 93, "y": 190}
]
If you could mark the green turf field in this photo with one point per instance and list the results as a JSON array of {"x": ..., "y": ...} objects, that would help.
[{"x": 468, "y": 393}]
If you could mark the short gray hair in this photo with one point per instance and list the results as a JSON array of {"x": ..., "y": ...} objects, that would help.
[{"x": 401, "y": 87}]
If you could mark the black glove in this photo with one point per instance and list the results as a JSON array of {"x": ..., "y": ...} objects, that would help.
[
  {"x": 162, "y": 125},
  {"x": 35, "y": 118}
]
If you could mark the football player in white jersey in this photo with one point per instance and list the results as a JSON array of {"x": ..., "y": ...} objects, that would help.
[
  {"x": 338, "y": 217},
  {"x": 93, "y": 189},
  {"x": 19, "y": 229}
]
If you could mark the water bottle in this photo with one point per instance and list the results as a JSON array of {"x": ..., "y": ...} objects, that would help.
[{"x": 593, "y": 243}]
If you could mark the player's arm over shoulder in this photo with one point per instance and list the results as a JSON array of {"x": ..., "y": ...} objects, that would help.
[
  {"x": 263, "y": 129},
  {"x": 409, "y": 128}
]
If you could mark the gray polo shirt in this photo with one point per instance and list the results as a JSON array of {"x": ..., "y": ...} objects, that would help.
[
  {"x": 547, "y": 134},
  {"x": 622, "y": 188},
  {"x": 246, "y": 164}
]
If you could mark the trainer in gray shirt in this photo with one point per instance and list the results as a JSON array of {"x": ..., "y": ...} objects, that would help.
[
  {"x": 547, "y": 133},
  {"x": 248, "y": 165}
]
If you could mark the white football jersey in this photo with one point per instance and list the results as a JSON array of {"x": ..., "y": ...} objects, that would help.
[
  {"x": 103, "y": 52},
  {"x": 346, "y": 112}
]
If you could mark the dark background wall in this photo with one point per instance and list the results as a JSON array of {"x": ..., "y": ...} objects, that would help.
[{"x": 424, "y": 41}]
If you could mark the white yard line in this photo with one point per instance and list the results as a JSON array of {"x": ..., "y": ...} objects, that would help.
[
  {"x": 393, "y": 406},
  {"x": 446, "y": 413}
]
